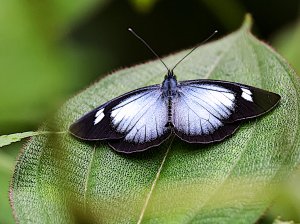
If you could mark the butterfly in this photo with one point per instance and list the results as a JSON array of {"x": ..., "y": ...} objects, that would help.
[{"x": 197, "y": 111}]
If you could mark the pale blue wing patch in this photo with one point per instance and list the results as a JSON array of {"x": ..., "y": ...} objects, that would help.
[
  {"x": 141, "y": 118},
  {"x": 201, "y": 109}
]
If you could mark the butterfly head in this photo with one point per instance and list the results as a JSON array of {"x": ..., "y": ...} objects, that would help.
[
  {"x": 171, "y": 74},
  {"x": 169, "y": 85}
]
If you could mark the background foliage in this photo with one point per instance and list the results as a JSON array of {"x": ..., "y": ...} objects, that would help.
[{"x": 51, "y": 49}]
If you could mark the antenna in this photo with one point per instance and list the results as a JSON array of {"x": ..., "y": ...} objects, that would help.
[
  {"x": 147, "y": 45},
  {"x": 194, "y": 49}
]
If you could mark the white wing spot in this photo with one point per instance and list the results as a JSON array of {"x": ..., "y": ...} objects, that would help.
[
  {"x": 246, "y": 94},
  {"x": 99, "y": 116},
  {"x": 246, "y": 91}
]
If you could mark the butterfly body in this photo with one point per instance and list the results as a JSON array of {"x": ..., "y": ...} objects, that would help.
[
  {"x": 169, "y": 91},
  {"x": 197, "y": 111}
]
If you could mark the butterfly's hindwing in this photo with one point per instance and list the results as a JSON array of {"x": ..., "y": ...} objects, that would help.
[{"x": 206, "y": 111}]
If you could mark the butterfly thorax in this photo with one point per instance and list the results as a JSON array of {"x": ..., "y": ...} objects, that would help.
[{"x": 169, "y": 85}]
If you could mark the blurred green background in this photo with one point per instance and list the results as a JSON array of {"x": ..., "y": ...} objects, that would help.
[{"x": 50, "y": 50}]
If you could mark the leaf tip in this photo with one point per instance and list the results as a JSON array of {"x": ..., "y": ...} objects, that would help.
[{"x": 248, "y": 21}]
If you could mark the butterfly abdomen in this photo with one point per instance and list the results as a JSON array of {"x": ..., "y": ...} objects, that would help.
[{"x": 170, "y": 117}]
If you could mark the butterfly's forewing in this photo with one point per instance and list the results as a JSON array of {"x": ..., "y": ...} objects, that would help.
[
  {"x": 137, "y": 119},
  {"x": 208, "y": 110}
]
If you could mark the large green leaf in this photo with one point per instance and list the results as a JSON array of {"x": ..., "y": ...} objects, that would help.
[{"x": 59, "y": 179}]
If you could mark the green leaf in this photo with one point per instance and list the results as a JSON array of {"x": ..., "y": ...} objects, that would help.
[
  {"x": 60, "y": 179},
  {"x": 8, "y": 139}
]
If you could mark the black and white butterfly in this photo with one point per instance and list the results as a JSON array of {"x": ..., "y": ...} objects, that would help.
[{"x": 196, "y": 111}]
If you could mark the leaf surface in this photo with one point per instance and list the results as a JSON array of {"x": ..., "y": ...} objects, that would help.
[{"x": 59, "y": 179}]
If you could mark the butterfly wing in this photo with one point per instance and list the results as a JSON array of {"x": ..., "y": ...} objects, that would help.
[
  {"x": 132, "y": 122},
  {"x": 209, "y": 110}
]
